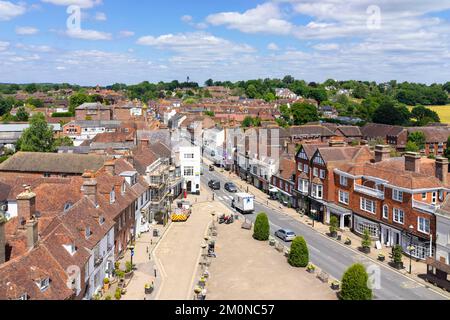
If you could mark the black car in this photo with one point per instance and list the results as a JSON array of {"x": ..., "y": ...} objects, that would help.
[
  {"x": 214, "y": 184},
  {"x": 231, "y": 187}
]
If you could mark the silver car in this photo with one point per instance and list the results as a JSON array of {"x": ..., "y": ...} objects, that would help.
[{"x": 285, "y": 235}]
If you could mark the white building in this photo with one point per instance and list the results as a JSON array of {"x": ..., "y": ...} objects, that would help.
[
  {"x": 443, "y": 232},
  {"x": 213, "y": 144},
  {"x": 168, "y": 116},
  {"x": 189, "y": 158},
  {"x": 80, "y": 131}
]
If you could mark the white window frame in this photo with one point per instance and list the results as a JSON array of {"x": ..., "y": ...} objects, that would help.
[
  {"x": 368, "y": 205},
  {"x": 306, "y": 168},
  {"x": 315, "y": 172},
  {"x": 423, "y": 225},
  {"x": 44, "y": 284},
  {"x": 397, "y": 214},
  {"x": 316, "y": 190},
  {"x": 424, "y": 196},
  {"x": 386, "y": 211},
  {"x": 344, "y": 197},
  {"x": 300, "y": 167},
  {"x": 397, "y": 195},
  {"x": 322, "y": 174},
  {"x": 343, "y": 181},
  {"x": 434, "y": 197}
]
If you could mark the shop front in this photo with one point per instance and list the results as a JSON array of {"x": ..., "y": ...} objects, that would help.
[
  {"x": 343, "y": 215},
  {"x": 283, "y": 197}
]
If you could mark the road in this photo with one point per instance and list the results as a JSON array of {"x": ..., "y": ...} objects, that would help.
[{"x": 331, "y": 256}]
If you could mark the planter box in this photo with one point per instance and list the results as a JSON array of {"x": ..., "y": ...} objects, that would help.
[
  {"x": 129, "y": 275},
  {"x": 381, "y": 258},
  {"x": 333, "y": 234},
  {"x": 366, "y": 250},
  {"x": 149, "y": 290},
  {"x": 335, "y": 286},
  {"x": 398, "y": 265}
]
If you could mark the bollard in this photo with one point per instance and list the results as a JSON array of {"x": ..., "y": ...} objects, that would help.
[{"x": 154, "y": 269}]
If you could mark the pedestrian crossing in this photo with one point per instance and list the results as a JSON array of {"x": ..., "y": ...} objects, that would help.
[{"x": 224, "y": 198}]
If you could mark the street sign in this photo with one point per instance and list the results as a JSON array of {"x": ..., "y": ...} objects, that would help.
[{"x": 132, "y": 253}]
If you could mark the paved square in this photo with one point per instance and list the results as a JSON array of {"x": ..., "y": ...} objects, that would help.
[{"x": 246, "y": 269}]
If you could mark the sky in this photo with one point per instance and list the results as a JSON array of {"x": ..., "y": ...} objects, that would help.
[{"x": 90, "y": 42}]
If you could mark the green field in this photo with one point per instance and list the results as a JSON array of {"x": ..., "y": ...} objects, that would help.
[{"x": 442, "y": 111}]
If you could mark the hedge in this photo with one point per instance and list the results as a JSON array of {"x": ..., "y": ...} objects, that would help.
[
  {"x": 261, "y": 230},
  {"x": 62, "y": 115},
  {"x": 299, "y": 254},
  {"x": 355, "y": 284}
]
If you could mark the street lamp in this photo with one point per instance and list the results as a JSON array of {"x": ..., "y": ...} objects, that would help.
[
  {"x": 313, "y": 212},
  {"x": 204, "y": 255},
  {"x": 410, "y": 248}
]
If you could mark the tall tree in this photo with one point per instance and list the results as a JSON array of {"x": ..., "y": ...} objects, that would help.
[
  {"x": 424, "y": 116},
  {"x": 418, "y": 138},
  {"x": 388, "y": 113},
  {"x": 303, "y": 113},
  {"x": 38, "y": 137}
]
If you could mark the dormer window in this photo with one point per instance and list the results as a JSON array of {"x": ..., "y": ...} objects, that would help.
[
  {"x": 23, "y": 297},
  {"x": 88, "y": 232},
  {"x": 112, "y": 197},
  {"x": 44, "y": 284},
  {"x": 124, "y": 188},
  {"x": 71, "y": 248},
  {"x": 67, "y": 206},
  {"x": 101, "y": 220}
]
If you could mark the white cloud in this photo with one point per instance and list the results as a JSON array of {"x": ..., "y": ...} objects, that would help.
[
  {"x": 100, "y": 16},
  {"x": 4, "y": 45},
  {"x": 273, "y": 46},
  {"x": 126, "y": 34},
  {"x": 26, "y": 30},
  {"x": 80, "y": 3},
  {"x": 265, "y": 18},
  {"x": 186, "y": 18},
  {"x": 326, "y": 46},
  {"x": 88, "y": 34},
  {"x": 35, "y": 48},
  {"x": 9, "y": 10}
]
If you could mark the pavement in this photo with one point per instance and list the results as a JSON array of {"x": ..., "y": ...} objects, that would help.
[
  {"x": 178, "y": 253},
  {"x": 330, "y": 255},
  {"x": 246, "y": 269}
]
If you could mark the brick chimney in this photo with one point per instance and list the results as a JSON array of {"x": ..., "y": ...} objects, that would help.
[
  {"x": 32, "y": 233},
  {"x": 110, "y": 167},
  {"x": 2, "y": 238},
  {"x": 26, "y": 206},
  {"x": 442, "y": 169},
  {"x": 90, "y": 187},
  {"x": 382, "y": 152},
  {"x": 412, "y": 162}
]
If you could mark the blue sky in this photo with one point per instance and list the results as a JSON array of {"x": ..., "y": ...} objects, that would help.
[{"x": 135, "y": 40}]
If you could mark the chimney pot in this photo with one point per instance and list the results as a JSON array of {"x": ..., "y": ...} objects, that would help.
[
  {"x": 382, "y": 153},
  {"x": 26, "y": 204},
  {"x": 90, "y": 187},
  {"x": 110, "y": 167},
  {"x": 32, "y": 233},
  {"x": 412, "y": 162},
  {"x": 442, "y": 169}
]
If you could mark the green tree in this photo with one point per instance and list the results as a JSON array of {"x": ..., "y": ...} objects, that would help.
[
  {"x": 355, "y": 284},
  {"x": 77, "y": 100},
  {"x": 318, "y": 94},
  {"x": 446, "y": 87},
  {"x": 304, "y": 113},
  {"x": 209, "y": 83},
  {"x": 269, "y": 97},
  {"x": 31, "y": 88},
  {"x": 261, "y": 230},
  {"x": 418, "y": 138},
  {"x": 361, "y": 91},
  {"x": 334, "y": 225},
  {"x": 251, "y": 92},
  {"x": 62, "y": 142},
  {"x": 299, "y": 254},
  {"x": 22, "y": 114},
  {"x": 412, "y": 147},
  {"x": 388, "y": 113},
  {"x": 424, "y": 116},
  {"x": 366, "y": 241},
  {"x": 38, "y": 137},
  {"x": 447, "y": 149}
]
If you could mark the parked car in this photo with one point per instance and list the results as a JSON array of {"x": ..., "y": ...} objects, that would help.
[
  {"x": 212, "y": 168},
  {"x": 231, "y": 187},
  {"x": 285, "y": 235},
  {"x": 214, "y": 184}
]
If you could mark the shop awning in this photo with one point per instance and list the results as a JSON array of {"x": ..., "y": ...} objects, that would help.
[
  {"x": 334, "y": 208},
  {"x": 273, "y": 190}
]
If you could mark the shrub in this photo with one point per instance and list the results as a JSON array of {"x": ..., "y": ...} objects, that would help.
[
  {"x": 106, "y": 281},
  {"x": 355, "y": 284},
  {"x": 366, "y": 241},
  {"x": 62, "y": 115},
  {"x": 118, "y": 294},
  {"x": 128, "y": 267},
  {"x": 299, "y": 254},
  {"x": 261, "y": 230},
  {"x": 334, "y": 224},
  {"x": 397, "y": 254},
  {"x": 108, "y": 298}
]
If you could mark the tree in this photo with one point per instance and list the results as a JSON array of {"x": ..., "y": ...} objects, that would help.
[
  {"x": 77, "y": 100},
  {"x": 38, "y": 137},
  {"x": 366, "y": 242},
  {"x": 261, "y": 230},
  {"x": 418, "y": 139},
  {"x": 424, "y": 116},
  {"x": 287, "y": 80},
  {"x": 304, "y": 113},
  {"x": 412, "y": 147},
  {"x": 388, "y": 113},
  {"x": 355, "y": 284},
  {"x": 299, "y": 254},
  {"x": 447, "y": 149},
  {"x": 22, "y": 115},
  {"x": 361, "y": 91},
  {"x": 209, "y": 82},
  {"x": 334, "y": 225},
  {"x": 319, "y": 94},
  {"x": 31, "y": 88},
  {"x": 62, "y": 142},
  {"x": 269, "y": 97},
  {"x": 251, "y": 92},
  {"x": 446, "y": 87}
]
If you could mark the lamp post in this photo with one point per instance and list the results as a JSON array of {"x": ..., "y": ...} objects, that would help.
[
  {"x": 204, "y": 256},
  {"x": 411, "y": 248},
  {"x": 313, "y": 212}
]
